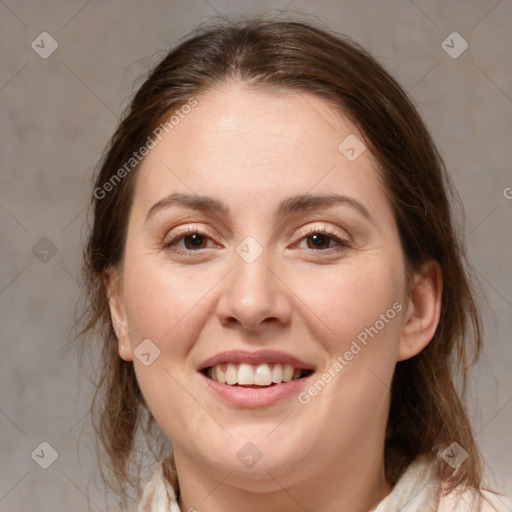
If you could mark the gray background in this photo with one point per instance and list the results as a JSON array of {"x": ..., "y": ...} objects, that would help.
[{"x": 57, "y": 115}]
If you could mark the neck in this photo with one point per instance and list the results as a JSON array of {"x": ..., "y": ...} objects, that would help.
[{"x": 355, "y": 487}]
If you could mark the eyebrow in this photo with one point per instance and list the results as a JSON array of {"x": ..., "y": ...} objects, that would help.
[{"x": 289, "y": 206}]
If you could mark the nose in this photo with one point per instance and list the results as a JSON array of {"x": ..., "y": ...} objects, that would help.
[{"x": 254, "y": 296}]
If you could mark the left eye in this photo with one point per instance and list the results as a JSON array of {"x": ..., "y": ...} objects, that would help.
[{"x": 320, "y": 240}]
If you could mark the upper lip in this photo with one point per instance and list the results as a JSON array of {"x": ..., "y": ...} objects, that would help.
[{"x": 257, "y": 357}]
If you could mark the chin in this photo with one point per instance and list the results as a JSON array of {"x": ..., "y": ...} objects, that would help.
[{"x": 255, "y": 459}]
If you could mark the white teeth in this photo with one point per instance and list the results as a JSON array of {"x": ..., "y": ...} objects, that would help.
[
  {"x": 221, "y": 376},
  {"x": 246, "y": 374},
  {"x": 262, "y": 375},
  {"x": 287, "y": 373},
  {"x": 231, "y": 374},
  {"x": 277, "y": 373}
]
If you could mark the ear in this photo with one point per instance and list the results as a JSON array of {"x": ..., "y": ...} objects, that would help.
[
  {"x": 113, "y": 284},
  {"x": 423, "y": 311}
]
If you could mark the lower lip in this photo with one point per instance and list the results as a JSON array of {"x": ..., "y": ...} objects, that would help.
[{"x": 252, "y": 397}]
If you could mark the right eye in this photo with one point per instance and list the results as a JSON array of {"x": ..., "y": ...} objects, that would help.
[{"x": 193, "y": 240}]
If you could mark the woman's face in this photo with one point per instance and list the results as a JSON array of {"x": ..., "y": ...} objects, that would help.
[{"x": 222, "y": 262}]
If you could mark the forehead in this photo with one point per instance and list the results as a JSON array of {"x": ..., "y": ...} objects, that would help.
[{"x": 242, "y": 144}]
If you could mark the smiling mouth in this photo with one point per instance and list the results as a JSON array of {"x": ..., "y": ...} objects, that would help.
[{"x": 254, "y": 376}]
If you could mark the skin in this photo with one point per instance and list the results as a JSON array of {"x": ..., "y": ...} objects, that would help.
[{"x": 251, "y": 149}]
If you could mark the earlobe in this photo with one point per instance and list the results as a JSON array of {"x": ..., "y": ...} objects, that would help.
[
  {"x": 112, "y": 283},
  {"x": 423, "y": 311}
]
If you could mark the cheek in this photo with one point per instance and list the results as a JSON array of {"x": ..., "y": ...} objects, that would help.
[
  {"x": 165, "y": 305},
  {"x": 362, "y": 305},
  {"x": 160, "y": 300},
  {"x": 353, "y": 298}
]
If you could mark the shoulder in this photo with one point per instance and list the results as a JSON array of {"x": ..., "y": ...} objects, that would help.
[{"x": 466, "y": 501}]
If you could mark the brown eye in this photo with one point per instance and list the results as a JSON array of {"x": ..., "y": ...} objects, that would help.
[
  {"x": 188, "y": 241},
  {"x": 321, "y": 240},
  {"x": 196, "y": 241}
]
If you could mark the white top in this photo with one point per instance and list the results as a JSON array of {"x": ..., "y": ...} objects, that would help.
[{"x": 414, "y": 492}]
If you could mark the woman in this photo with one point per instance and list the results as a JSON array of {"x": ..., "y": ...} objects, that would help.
[{"x": 280, "y": 288}]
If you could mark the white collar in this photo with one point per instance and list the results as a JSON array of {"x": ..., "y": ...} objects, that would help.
[{"x": 415, "y": 490}]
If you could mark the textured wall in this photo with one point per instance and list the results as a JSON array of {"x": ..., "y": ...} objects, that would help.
[{"x": 57, "y": 114}]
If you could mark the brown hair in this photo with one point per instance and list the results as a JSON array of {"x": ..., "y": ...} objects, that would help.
[{"x": 428, "y": 410}]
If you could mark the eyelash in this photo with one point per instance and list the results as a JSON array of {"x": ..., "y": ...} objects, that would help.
[{"x": 343, "y": 244}]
